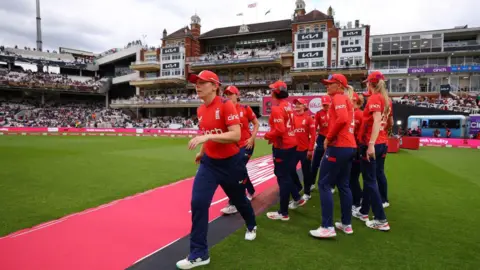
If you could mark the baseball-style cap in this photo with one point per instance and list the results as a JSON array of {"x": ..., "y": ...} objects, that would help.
[
  {"x": 336, "y": 78},
  {"x": 205, "y": 75},
  {"x": 326, "y": 100},
  {"x": 355, "y": 96},
  {"x": 232, "y": 90},
  {"x": 373, "y": 77},
  {"x": 301, "y": 101},
  {"x": 278, "y": 86}
]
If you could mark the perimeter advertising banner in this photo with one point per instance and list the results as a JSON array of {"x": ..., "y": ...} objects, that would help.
[
  {"x": 314, "y": 104},
  {"x": 474, "y": 125}
]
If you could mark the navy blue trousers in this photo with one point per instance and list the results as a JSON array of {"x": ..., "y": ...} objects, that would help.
[
  {"x": 317, "y": 157},
  {"x": 335, "y": 171},
  {"x": 247, "y": 184},
  {"x": 357, "y": 192},
  {"x": 370, "y": 187},
  {"x": 229, "y": 173},
  {"x": 284, "y": 166},
  {"x": 306, "y": 171}
]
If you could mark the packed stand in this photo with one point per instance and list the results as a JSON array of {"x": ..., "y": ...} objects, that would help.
[
  {"x": 46, "y": 55},
  {"x": 464, "y": 104},
  {"x": 114, "y": 50},
  {"x": 29, "y": 79},
  {"x": 271, "y": 51}
]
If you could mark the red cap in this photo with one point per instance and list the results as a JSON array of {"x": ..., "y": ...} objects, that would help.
[
  {"x": 301, "y": 101},
  {"x": 232, "y": 90},
  {"x": 278, "y": 86},
  {"x": 355, "y": 96},
  {"x": 336, "y": 78},
  {"x": 205, "y": 75},
  {"x": 326, "y": 100},
  {"x": 375, "y": 77}
]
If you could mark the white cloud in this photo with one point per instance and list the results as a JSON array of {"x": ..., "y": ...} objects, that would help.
[{"x": 98, "y": 25}]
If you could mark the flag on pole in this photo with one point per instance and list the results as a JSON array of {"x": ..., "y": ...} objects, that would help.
[
  {"x": 267, "y": 12},
  {"x": 252, "y": 5},
  {"x": 240, "y": 14}
]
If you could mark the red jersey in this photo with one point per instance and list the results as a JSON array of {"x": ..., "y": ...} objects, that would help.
[
  {"x": 215, "y": 118},
  {"x": 321, "y": 122},
  {"x": 341, "y": 123},
  {"x": 281, "y": 122},
  {"x": 376, "y": 103},
  {"x": 358, "y": 116},
  {"x": 246, "y": 115},
  {"x": 304, "y": 131}
]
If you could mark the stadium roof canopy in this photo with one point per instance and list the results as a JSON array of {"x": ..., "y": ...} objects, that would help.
[{"x": 252, "y": 29}]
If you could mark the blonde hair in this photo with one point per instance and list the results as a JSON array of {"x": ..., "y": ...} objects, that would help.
[
  {"x": 349, "y": 91},
  {"x": 381, "y": 87}
]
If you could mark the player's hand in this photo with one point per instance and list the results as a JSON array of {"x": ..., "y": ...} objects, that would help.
[
  {"x": 198, "y": 157},
  {"x": 370, "y": 152},
  {"x": 325, "y": 144},
  {"x": 250, "y": 143},
  {"x": 193, "y": 143},
  {"x": 310, "y": 155}
]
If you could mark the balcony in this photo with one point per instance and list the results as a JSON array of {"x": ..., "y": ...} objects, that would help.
[
  {"x": 173, "y": 81},
  {"x": 145, "y": 65},
  {"x": 469, "y": 45}
]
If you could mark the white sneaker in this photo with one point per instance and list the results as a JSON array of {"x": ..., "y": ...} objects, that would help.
[
  {"x": 277, "y": 216},
  {"x": 386, "y": 204},
  {"x": 251, "y": 235},
  {"x": 378, "y": 225},
  {"x": 229, "y": 210},
  {"x": 306, "y": 197},
  {"x": 296, "y": 204},
  {"x": 187, "y": 264},
  {"x": 359, "y": 215},
  {"x": 312, "y": 187},
  {"x": 356, "y": 208},
  {"x": 344, "y": 228},
  {"x": 323, "y": 232}
]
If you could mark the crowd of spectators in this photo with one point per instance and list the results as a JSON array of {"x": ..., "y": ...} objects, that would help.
[
  {"x": 460, "y": 102},
  {"x": 30, "y": 79},
  {"x": 239, "y": 54}
]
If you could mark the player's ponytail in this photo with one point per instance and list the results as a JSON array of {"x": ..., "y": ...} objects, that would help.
[
  {"x": 349, "y": 92},
  {"x": 381, "y": 87}
]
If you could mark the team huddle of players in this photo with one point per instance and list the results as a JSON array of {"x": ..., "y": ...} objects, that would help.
[{"x": 341, "y": 142}]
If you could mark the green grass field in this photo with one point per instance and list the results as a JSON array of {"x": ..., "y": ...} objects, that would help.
[
  {"x": 434, "y": 213},
  {"x": 46, "y": 178},
  {"x": 434, "y": 194}
]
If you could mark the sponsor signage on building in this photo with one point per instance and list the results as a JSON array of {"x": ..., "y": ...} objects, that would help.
[
  {"x": 310, "y": 54},
  {"x": 170, "y": 50},
  {"x": 351, "y": 49},
  {"x": 352, "y": 33},
  {"x": 309, "y": 36},
  {"x": 429, "y": 70},
  {"x": 391, "y": 71},
  {"x": 170, "y": 65},
  {"x": 466, "y": 69}
]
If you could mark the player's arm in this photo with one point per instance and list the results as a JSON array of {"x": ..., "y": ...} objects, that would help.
[
  {"x": 340, "y": 109},
  {"x": 313, "y": 133},
  {"x": 278, "y": 127},
  {"x": 375, "y": 108},
  {"x": 253, "y": 119}
]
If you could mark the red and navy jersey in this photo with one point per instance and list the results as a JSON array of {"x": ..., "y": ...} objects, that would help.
[
  {"x": 305, "y": 132},
  {"x": 341, "y": 123},
  {"x": 215, "y": 118},
  {"x": 376, "y": 103},
  {"x": 281, "y": 121},
  {"x": 358, "y": 121},
  {"x": 321, "y": 122},
  {"x": 246, "y": 115}
]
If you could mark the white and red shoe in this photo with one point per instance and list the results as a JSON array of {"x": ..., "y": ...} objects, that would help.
[
  {"x": 344, "y": 228},
  {"x": 229, "y": 210},
  {"x": 378, "y": 225},
  {"x": 296, "y": 204},
  {"x": 189, "y": 264},
  {"x": 277, "y": 216},
  {"x": 323, "y": 232},
  {"x": 356, "y": 213}
]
